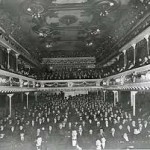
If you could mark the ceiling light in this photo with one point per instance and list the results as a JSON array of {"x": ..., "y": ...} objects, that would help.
[
  {"x": 38, "y": 15},
  {"x": 41, "y": 34},
  {"x": 101, "y": 14},
  {"x": 29, "y": 9},
  {"x": 106, "y": 12},
  {"x": 111, "y": 4},
  {"x": 49, "y": 45},
  {"x": 89, "y": 44},
  {"x": 98, "y": 30}
]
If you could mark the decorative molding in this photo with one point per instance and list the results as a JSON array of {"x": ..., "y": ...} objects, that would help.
[
  {"x": 68, "y": 19},
  {"x": 71, "y": 89}
]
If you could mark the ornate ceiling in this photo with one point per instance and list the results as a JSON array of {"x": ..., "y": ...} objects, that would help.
[{"x": 50, "y": 28}]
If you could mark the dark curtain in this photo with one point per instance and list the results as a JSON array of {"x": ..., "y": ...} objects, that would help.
[
  {"x": 12, "y": 61},
  {"x": 130, "y": 56},
  {"x": 121, "y": 60},
  {"x": 141, "y": 51}
]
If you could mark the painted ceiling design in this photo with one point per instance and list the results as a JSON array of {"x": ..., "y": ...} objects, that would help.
[
  {"x": 69, "y": 1},
  {"x": 58, "y": 28}
]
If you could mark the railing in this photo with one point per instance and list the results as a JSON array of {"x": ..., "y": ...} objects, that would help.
[
  {"x": 11, "y": 82},
  {"x": 67, "y": 85},
  {"x": 135, "y": 79}
]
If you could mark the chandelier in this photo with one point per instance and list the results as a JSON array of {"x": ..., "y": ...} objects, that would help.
[{"x": 34, "y": 9}]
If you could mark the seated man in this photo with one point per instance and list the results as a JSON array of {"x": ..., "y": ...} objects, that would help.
[
  {"x": 39, "y": 143},
  {"x": 130, "y": 65},
  {"x": 98, "y": 145},
  {"x": 142, "y": 62}
]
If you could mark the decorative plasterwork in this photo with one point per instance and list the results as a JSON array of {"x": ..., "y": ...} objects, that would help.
[
  {"x": 68, "y": 19},
  {"x": 35, "y": 8},
  {"x": 69, "y": 1},
  {"x": 71, "y": 89}
]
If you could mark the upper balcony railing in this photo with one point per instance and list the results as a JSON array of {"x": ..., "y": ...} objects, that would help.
[{"x": 135, "y": 79}]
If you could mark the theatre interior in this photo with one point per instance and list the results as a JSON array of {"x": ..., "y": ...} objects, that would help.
[{"x": 74, "y": 74}]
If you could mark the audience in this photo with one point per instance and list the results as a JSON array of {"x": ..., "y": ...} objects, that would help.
[
  {"x": 72, "y": 73},
  {"x": 78, "y": 122}
]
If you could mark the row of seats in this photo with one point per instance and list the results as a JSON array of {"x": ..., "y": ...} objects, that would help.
[
  {"x": 81, "y": 122},
  {"x": 126, "y": 61}
]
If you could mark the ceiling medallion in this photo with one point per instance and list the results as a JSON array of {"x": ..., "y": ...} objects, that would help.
[
  {"x": 69, "y": 1},
  {"x": 44, "y": 31},
  {"x": 68, "y": 19},
  {"x": 34, "y": 8},
  {"x": 104, "y": 7}
]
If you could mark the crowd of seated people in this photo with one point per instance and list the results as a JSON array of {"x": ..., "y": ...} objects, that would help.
[
  {"x": 72, "y": 73},
  {"x": 60, "y": 54},
  {"x": 136, "y": 10},
  {"x": 118, "y": 66},
  {"x": 29, "y": 72},
  {"x": 142, "y": 58},
  {"x": 79, "y": 122}
]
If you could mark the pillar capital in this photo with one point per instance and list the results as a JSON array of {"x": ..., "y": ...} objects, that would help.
[
  {"x": 27, "y": 93},
  {"x": 134, "y": 92},
  {"x": 124, "y": 51},
  {"x": 8, "y": 50},
  {"x": 115, "y": 91},
  {"x": 146, "y": 37},
  {"x": 133, "y": 45},
  {"x": 17, "y": 55},
  {"x": 10, "y": 95}
]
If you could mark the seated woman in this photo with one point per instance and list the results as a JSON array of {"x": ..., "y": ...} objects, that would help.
[
  {"x": 2, "y": 67},
  {"x": 98, "y": 145},
  {"x": 142, "y": 62},
  {"x": 131, "y": 65}
]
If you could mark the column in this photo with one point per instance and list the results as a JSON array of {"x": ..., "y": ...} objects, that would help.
[
  {"x": 147, "y": 41},
  {"x": 17, "y": 55},
  {"x": 134, "y": 56},
  {"x": 10, "y": 104},
  {"x": 8, "y": 58},
  {"x": 22, "y": 97},
  {"x": 125, "y": 58},
  {"x": 104, "y": 95},
  {"x": 133, "y": 94},
  {"x": 35, "y": 94},
  {"x": 27, "y": 94},
  {"x": 116, "y": 98}
]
